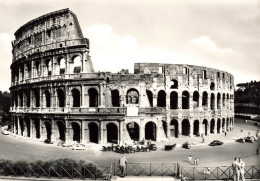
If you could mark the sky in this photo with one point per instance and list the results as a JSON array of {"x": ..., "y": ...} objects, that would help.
[{"x": 214, "y": 33}]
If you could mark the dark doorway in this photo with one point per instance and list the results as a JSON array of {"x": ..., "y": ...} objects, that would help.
[
  {"x": 174, "y": 100},
  {"x": 61, "y": 97},
  {"x": 133, "y": 130},
  {"x": 62, "y": 129},
  {"x": 212, "y": 101},
  {"x": 93, "y": 132},
  {"x": 28, "y": 126},
  {"x": 37, "y": 98},
  {"x": 76, "y": 132},
  {"x": 205, "y": 99},
  {"x": 218, "y": 101},
  {"x": 212, "y": 126},
  {"x": 196, "y": 128},
  {"x": 47, "y": 98},
  {"x": 164, "y": 125},
  {"x": 37, "y": 128},
  {"x": 150, "y": 97},
  {"x": 218, "y": 126},
  {"x": 112, "y": 133},
  {"x": 223, "y": 124},
  {"x": 48, "y": 129},
  {"x": 150, "y": 131},
  {"x": 21, "y": 123},
  {"x": 205, "y": 122},
  {"x": 161, "y": 99},
  {"x": 93, "y": 97},
  {"x": 185, "y": 100},
  {"x": 174, "y": 128},
  {"x": 115, "y": 98},
  {"x": 185, "y": 127},
  {"x": 76, "y": 98},
  {"x": 195, "y": 99}
]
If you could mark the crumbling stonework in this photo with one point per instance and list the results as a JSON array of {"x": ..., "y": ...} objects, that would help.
[{"x": 57, "y": 95}]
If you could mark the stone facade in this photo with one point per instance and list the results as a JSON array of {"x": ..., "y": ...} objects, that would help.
[{"x": 57, "y": 95}]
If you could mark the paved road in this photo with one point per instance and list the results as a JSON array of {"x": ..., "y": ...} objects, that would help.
[{"x": 14, "y": 148}]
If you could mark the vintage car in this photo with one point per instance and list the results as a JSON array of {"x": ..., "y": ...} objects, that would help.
[
  {"x": 78, "y": 146},
  {"x": 216, "y": 143}
]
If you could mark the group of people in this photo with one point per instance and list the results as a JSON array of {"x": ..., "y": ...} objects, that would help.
[
  {"x": 238, "y": 167},
  {"x": 195, "y": 160}
]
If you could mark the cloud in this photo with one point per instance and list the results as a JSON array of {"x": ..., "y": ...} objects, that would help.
[{"x": 6, "y": 60}]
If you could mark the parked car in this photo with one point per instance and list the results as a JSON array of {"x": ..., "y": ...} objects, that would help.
[
  {"x": 169, "y": 147},
  {"x": 48, "y": 141},
  {"x": 186, "y": 145},
  {"x": 241, "y": 140},
  {"x": 216, "y": 143},
  {"x": 78, "y": 147},
  {"x": 4, "y": 132},
  {"x": 249, "y": 139}
]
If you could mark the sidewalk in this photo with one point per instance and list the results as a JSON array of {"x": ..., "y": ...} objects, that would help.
[{"x": 142, "y": 178}]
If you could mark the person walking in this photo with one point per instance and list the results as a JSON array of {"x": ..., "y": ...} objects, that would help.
[
  {"x": 122, "y": 164},
  {"x": 236, "y": 170},
  {"x": 190, "y": 159},
  {"x": 196, "y": 161},
  {"x": 242, "y": 169}
]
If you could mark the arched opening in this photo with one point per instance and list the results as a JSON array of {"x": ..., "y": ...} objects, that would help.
[
  {"x": 77, "y": 64},
  {"x": 115, "y": 98},
  {"x": 133, "y": 130},
  {"x": 223, "y": 124},
  {"x": 218, "y": 101},
  {"x": 93, "y": 132},
  {"x": 185, "y": 100},
  {"x": 132, "y": 96},
  {"x": 174, "y": 100},
  {"x": 205, "y": 122},
  {"x": 37, "y": 128},
  {"x": 49, "y": 67},
  {"x": 21, "y": 123},
  {"x": 227, "y": 101},
  {"x": 93, "y": 97},
  {"x": 174, "y": 84},
  {"x": 21, "y": 98},
  {"x": 36, "y": 98},
  {"x": 227, "y": 122},
  {"x": 28, "y": 127},
  {"x": 164, "y": 125},
  {"x": 112, "y": 133},
  {"x": 196, "y": 128},
  {"x": 205, "y": 100},
  {"x": 212, "y": 86},
  {"x": 150, "y": 131},
  {"x": 76, "y": 131},
  {"x": 185, "y": 127},
  {"x": 223, "y": 100},
  {"x": 61, "y": 98},
  {"x": 48, "y": 129},
  {"x": 212, "y": 101},
  {"x": 212, "y": 125},
  {"x": 195, "y": 99},
  {"x": 62, "y": 130},
  {"x": 75, "y": 97},
  {"x": 150, "y": 97},
  {"x": 62, "y": 66},
  {"x": 47, "y": 98},
  {"x": 161, "y": 99},
  {"x": 174, "y": 128},
  {"x": 218, "y": 125}
]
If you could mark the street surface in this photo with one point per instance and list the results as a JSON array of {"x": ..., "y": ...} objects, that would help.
[{"x": 14, "y": 148}]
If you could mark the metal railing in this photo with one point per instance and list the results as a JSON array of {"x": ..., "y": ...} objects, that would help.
[
  {"x": 148, "y": 169},
  {"x": 217, "y": 173},
  {"x": 59, "y": 171}
]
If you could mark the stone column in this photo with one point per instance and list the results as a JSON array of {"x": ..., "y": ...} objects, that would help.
[
  {"x": 121, "y": 131},
  {"x": 83, "y": 131},
  {"x": 179, "y": 100},
  {"x": 142, "y": 131},
  {"x": 191, "y": 102},
  {"x": 19, "y": 126},
  {"x": 101, "y": 95},
  {"x": 155, "y": 99},
  {"x": 209, "y": 101},
  {"x": 31, "y": 128},
  {"x": 53, "y": 134},
  {"x": 191, "y": 127},
  {"x": 200, "y": 101},
  {"x": 101, "y": 133},
  {"x": 82, "y": 104}
]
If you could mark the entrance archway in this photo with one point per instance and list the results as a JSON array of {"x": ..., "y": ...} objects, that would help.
[
  {"x": 205, "y": 122},
  {"x": 196, "y": 128},
  {"x": 48, "y": 129},
  {"x": 28, "y": 127},
  {"x": 218, "y": 126},
  {"x": 174, "y": 100},
  {"x": 61, "y": 127},
  {"x": 21, "y": 123},
  {"x": 37, "y": 128},
  {"x": 164, "y": 125},
  {"x": 76, "y": 131},
  {"x": 223, "y": 124},
  {"x": 93, "y": 132},
  {"x": 212, "y": 126},
  {"x": 150, "y": 131},
  {"x": 112, "y": 133},
  {"x": 133, "y": 130},
  {"x": 174, "y": 128},
  {"x": 185, "y": 127}
]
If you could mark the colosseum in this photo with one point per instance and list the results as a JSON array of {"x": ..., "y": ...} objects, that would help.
[{"x": 57, "y": 95}]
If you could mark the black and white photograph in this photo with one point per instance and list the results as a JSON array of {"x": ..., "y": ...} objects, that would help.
[{"x": 129, "y": 90}]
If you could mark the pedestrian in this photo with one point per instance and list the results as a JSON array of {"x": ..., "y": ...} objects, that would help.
[
  {"x": 122, "y": 164},
  {"x": 203, "y": 140},
  {"x": 196, "y": 161},
  {"x": 190, "y": 159},
  {"x": 206, "y": 172},
  {"x": 225, "y": 133},
  {"x": 242, "y": 169},
  {"x": 236, "y": 170}
]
